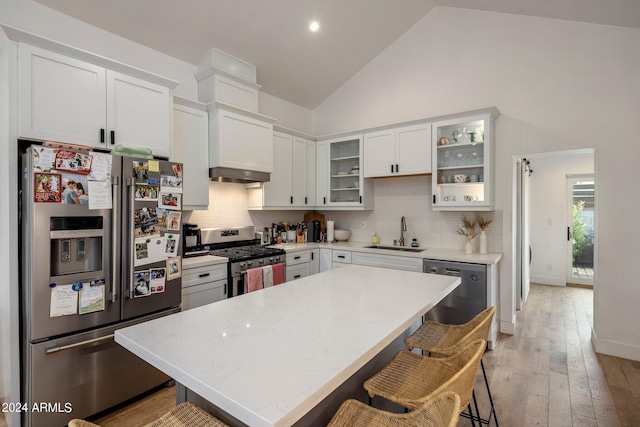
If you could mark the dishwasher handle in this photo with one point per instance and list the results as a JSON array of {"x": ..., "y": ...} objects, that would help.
[{"x": 452, "y": 272}]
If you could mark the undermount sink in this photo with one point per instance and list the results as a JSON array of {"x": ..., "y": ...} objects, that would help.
[{"x": 396, "y": 248}]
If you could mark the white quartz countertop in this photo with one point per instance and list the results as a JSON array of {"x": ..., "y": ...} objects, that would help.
[
  {"x": 202, "y": 261},
  {"x": 268, "y": 357},
  {"x": 430, "y": 253}
]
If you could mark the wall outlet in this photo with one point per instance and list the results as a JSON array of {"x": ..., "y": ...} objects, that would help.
[{"x": 363, "y": 224}]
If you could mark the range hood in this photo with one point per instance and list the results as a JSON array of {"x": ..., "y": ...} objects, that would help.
[{"x": 222, "y": 174}]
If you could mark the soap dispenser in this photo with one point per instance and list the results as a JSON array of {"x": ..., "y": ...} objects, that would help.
[
  {"x": 375, "y": 239},
  {"x": 414, "y": 243}
]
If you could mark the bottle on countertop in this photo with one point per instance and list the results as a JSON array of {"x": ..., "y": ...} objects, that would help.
[
  {"x": 414, "y": 243},
  {"x": 375, "y": 239}
]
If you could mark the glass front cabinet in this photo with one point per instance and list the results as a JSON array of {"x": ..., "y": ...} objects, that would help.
[
  {"x": 462, "y": 163},
  {"x": 340, "y": 178}
]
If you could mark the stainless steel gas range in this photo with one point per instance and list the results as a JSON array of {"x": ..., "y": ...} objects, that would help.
[{"x": 243, "y": 250}]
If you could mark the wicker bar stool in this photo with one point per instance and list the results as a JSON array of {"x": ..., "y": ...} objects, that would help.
[
  {"x": 439, "y": 411},
  {"x": 438, "y": 339},
  {"x": 184, "y": 415},
  {"x": 410, "y": 379}
]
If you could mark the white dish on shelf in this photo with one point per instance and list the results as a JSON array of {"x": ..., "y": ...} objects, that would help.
[{"x": 342, "y": 173}]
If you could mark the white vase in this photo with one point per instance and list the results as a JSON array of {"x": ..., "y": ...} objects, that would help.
[
  {"x": 483, "y": 242},
  {"x": 469, "y": 247}
]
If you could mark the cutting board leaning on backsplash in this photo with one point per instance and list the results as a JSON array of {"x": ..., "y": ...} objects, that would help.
[{"x": 313, "y": 216}]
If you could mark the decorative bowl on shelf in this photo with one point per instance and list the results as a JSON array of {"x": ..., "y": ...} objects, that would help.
[{"x": 342, "y": 235}]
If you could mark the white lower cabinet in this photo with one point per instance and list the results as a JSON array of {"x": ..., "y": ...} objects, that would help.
[
  {"x": 302, "y": 264},
  {"x": 387, "y": 261},
  {"x": 325, "y": 260},
  {"x": 203, "y": 285},
  {"x": 340, "y": 258}
]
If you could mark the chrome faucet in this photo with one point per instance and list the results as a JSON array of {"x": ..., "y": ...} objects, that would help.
[{"x": 403, "y": 228}]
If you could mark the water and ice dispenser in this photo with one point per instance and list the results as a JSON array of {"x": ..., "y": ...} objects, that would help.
[{"x": 76, "y": 245}]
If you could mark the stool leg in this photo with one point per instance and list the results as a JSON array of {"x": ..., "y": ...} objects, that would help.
[
  {"x": 475, "y": 403},
  {"x": 471, "y": 417},
  {"x": 486, "y": 382}
]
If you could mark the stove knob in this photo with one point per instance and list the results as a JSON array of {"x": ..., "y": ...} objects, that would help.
[
  {"x": 243, "y": 264},
  {"x": 250, "y": 264},
  {"x": 260, "y": 261}
]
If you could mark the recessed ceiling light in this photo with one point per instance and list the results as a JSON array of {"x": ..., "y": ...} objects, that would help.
[{"x": 314, "y": 26}]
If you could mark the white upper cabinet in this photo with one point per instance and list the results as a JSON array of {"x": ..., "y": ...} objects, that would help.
[
  {"x": 61, "y": 98},
  {"x": 240, "y": 139},
  {"x": 138, "y": 113},
  {"x": 293, "y": 180},
  {"x": 298, "y": 172},
  {"x": 69, "y": 100},
  {"x": 398, "y": 151},
  {"x": 463, "y": 163},
  {"x": 340, "y": 169},
  {"x": 278, "y": 191},
  {"x": 190, "y": 145}
]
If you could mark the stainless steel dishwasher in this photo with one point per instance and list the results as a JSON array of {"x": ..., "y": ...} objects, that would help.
[{"x": 465, "y": 301}]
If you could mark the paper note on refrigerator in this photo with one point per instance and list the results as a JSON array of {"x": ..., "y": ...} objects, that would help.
[
  {"x": 149, "y": 250},
  {"x": 92, "y": 297},
  {"x": 64, "y": 301},
  {"x": 100, "y": 195}
]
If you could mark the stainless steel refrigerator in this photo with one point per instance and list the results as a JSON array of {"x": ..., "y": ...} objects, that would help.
[{"x": 100, "y": 251}]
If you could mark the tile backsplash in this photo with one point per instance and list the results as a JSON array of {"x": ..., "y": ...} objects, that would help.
[
  {"x": 411, "y": 197},
  {"x": 394, "y": 198}
]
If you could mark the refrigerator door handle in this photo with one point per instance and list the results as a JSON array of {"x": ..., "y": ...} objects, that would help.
[
  {"x": 78, "y": 344},
  {"x": 115, "y": 278},
  {"x": 132, "y": 253}
]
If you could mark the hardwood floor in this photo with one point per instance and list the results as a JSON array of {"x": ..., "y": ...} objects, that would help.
[{"x": 547, "y": 374}]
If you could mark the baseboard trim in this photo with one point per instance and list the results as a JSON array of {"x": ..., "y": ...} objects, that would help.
[
  {"x": 578, "y": 285},
  {"x": 508, "y": 328},
  {"x": 551, "y": 281},
  {"x": 613, "y": 348}
]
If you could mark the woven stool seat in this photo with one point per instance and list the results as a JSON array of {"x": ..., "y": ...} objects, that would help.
[
  {"x": 440, "y": 411},
  {"x": 441, "y": 339},
  {"x": 410, "y": 379},
  {"x": 184, "y": 415}
]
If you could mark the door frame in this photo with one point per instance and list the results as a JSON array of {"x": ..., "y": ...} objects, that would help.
[{"x": 571, "y": 179}]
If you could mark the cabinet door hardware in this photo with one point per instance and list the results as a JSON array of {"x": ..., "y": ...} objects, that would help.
[
  {"x": 397, "y": 170},
  {"x": 101, "y": 135},
  {"x": 291, "y": 199},
  {"x": 204, "y": 275},
  {"x": 113, "y": 137}
]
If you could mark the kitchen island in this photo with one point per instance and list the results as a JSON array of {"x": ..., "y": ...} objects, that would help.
[{"x": 283, "y": 355}]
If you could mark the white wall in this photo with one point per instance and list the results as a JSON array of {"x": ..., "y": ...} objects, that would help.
[
  {"x": 288, "y": 115},
  {"x": 549, "y": 213},
  {"x": 560, "y": 85},
  {"x": 9, "y": 320}
]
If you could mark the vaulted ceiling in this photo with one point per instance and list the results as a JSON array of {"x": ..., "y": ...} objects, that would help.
[{"x": 292, "y": 62}]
